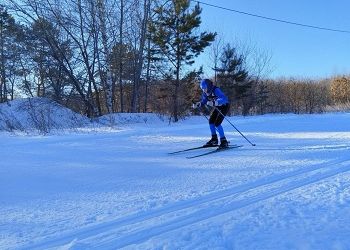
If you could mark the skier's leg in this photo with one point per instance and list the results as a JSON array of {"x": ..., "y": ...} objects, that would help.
[
  {"x": 212, "y": 129},
  {"x": 212, "y": 121},
  {"x": 224, "y": 110},
  {"x": 221, "y": 131},
  {"x": 214, "y": 138}
]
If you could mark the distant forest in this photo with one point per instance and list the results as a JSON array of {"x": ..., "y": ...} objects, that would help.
[{"x": 104, "y": 56}]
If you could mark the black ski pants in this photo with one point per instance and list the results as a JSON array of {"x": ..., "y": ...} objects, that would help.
[{"x": 215, "y": 117}]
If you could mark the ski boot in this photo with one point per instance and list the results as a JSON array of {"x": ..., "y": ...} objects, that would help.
[
  {"x": 212, "y": 142},
  {"x": 223, "y": 143}
]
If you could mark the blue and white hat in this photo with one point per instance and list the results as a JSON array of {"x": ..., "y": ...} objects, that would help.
[{"x": 206, "y": 84}]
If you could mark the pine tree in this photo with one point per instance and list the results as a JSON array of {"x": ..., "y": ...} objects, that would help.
[
  {"x": 172, "y": 31},
  {"x": 233, "y": 77}
]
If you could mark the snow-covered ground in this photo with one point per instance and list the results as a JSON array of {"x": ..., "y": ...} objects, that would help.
[
  {"x": 38, "y": 115},
  {"x": 118, "y": 188}
]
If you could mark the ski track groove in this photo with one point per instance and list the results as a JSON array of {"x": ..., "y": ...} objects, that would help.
[
  {"x": 211, "y": 212},
  {"x": 182, "y": 221}
]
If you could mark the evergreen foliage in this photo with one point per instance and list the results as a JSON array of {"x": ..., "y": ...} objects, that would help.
[
  {"x": 48, "y": 52},
  {"x": 173, "y": 31},
  {"x": 233, "y": 77}
]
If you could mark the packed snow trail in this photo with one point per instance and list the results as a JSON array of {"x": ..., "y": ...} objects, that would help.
[
  {"x": 112, "y": 228},
  {"x": 213, "y": 211},
  {"x": 118, "y": 188}
]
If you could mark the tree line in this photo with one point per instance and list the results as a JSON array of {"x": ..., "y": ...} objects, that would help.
[{"x": 104, "y": 56}]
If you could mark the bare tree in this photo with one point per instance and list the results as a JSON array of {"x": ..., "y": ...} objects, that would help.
[
  {"x": 142, "y": 18},
  {"x": 104, "y": 66},
  {"x": 10, "y": 32},
  {"x": 215, "y": 52},
  {"x": 340, "y": 89},
  {"x": 79, "y": 65}
]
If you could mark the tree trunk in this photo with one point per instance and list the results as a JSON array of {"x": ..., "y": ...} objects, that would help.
[
  {"x": 121, "y": 56},
  {"x": 140, "y": 57},
  {"x": 2, "y": 66},
  {"x": 147, "y": 75},
  {"x": 107, "y": 80},
  {"x": 176, "y": 93}
]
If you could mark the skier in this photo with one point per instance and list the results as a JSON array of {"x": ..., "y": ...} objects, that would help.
[{"x": 213, "y": 96}]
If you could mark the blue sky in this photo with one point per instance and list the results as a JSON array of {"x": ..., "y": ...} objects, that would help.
[{"x": 296, "y": 51}]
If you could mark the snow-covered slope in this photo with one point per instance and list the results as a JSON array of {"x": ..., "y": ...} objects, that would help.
[
  {"x": 38, "y": 114},
  {"x": 121, "y": 189},
  {"x": 44, "y": 116}
]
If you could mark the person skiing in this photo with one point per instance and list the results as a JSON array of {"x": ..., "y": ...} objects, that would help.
[{"x": 213, "y": 96}]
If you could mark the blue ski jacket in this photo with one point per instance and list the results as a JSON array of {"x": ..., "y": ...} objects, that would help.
[{"x": 215, "y": 95}]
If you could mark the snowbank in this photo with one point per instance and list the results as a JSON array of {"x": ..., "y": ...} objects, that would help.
[
  {"x": 44, "y": 116},
  {"x": 33, "y": 115},
  {"x": 130, "y": 118},
  {"x": 38, "y": 114}
]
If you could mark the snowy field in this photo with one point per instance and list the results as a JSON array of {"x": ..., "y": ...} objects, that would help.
[{"x": 101, "y": 188}]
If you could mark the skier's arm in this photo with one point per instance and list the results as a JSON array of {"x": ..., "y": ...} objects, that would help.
[
  {"x": 222, "y": 99},
  {"x": 204, "y": 99},
  {"x": 200, "y": 103}
]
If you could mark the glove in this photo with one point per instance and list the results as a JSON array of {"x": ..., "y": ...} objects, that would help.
[
  {"x": 196, "y": 105},
  {"x": 212, "y": 103}
]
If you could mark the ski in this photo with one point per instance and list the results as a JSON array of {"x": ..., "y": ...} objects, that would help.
[
  {"x": 215, "y": 151},
  {"x": 190, "y": 149}
]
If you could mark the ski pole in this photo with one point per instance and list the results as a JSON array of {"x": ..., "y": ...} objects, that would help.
[{"x": 253, "y": 144}]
